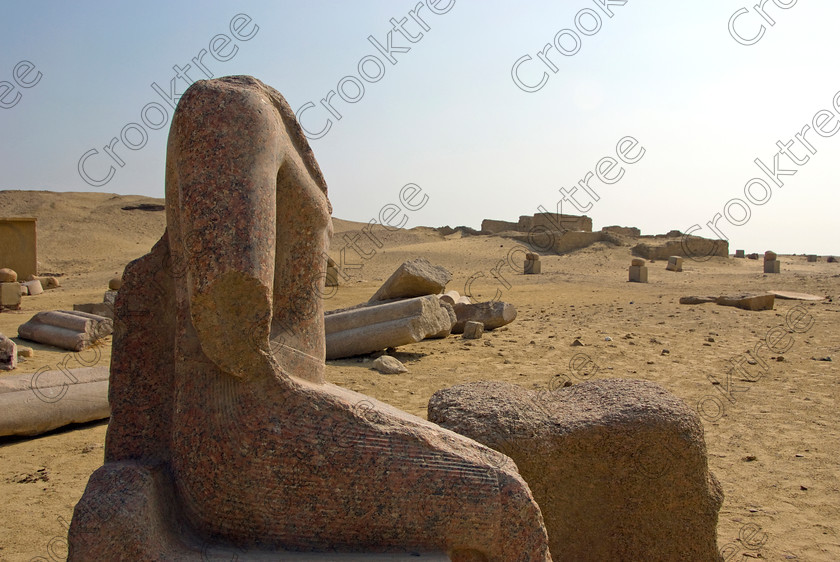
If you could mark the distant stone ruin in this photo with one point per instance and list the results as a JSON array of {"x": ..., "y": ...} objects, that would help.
[
  {"x": 540, "y": 221},
  {"x": 630, "y": 231}
]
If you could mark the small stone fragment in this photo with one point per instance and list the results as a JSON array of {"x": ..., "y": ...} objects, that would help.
[
  {"x": 473, "y": 330},
  {"x": 10, "y": 295},
  {"x": 34, "y": 286},
  {"x": 115, "y": 283},
  {"x": 388, "y": 365}
]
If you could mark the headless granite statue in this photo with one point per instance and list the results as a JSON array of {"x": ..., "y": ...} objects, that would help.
[{"x": 223, "y": 432}]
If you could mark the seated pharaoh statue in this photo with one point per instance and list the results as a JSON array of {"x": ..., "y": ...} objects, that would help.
[{"x": 224, "y": 435}]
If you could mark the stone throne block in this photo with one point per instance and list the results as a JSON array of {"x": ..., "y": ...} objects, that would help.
[{"x": 224, "y": 437}]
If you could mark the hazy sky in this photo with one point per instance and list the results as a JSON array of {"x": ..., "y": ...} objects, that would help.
[{"x": 476, "y": 104}]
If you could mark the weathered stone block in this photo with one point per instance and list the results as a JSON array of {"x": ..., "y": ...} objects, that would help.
[
  {"x": 770, "y": 256},
  {"x": 473, "y": 330},
  {"x": 10, "y": 295},
  {"x": 739, "y": 253},
  {"x": 533, "y": 267},
  {"x": 675, "y": 263},
  {"x": 812, "y": 258},
  {"x": 638, "y": 274},
  {"x": 618, "y": 467},
  {"x": 413, "y": 279},
  {"x": 772, "y": 266},
  {"x": 492, "y": 314},
  {"x": 34, "y": 287}
]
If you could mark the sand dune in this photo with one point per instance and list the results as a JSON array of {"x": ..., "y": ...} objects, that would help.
[{"x": 774, "y": 449}]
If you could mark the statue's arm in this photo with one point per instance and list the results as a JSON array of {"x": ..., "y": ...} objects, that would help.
[{"x": 226, "y": 147}]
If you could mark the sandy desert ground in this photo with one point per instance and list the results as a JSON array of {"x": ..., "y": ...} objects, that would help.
[{"x": 775, "y": 449}]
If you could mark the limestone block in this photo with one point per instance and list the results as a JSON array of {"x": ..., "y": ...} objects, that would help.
[
  {"x": 473, "y": 330},
  {"x": 639, "y": 273},
  {"x": 413, "y": 279},
  {"x": 533, "y": 267},
  {"x": 674, "y": 263},
  {"x": 24, "y": 290},
  {"x": 110, "y": 297},
  {"x": 739, "y": 253},
  {"x": 752, "y": 256},
  {"x": 530, "y": 256},
  {"x": 770, "y": 256},
  {"x": 637, "y": 262},
  {"x": 492, "y": 314},
  {"x": 772, "y": 266},
  {"x": 10, "y": 295},
  {"x": 34, "y": 286},
  {"x": 23, "y": 351},
  {"x": 618, "y": 467},
  {"x": 812, "y": 258}
]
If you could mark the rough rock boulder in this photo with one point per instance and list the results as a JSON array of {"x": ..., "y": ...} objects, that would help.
[
  {"x": 618, "y": 467},
  {"x": 413, "y": 279}
]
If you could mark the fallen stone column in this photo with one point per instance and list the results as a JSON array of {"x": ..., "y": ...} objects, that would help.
[
  {"x": 368, "y": 329},
  {"x": 38, "y": 402},
  {"x": 68, "y": 330}
]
